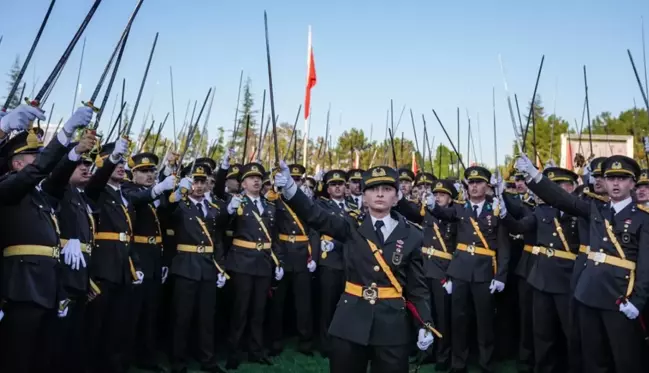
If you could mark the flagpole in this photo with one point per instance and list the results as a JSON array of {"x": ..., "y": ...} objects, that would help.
[{"x": 308, "y": 109}]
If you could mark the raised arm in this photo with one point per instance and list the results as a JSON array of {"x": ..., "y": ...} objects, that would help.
[
  {"x": 553, "y": 195},
  {"x": 318, "y": 218},
  {"x": 410, "y": 211}
]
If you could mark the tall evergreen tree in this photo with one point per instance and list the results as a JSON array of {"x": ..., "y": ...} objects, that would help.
[
  {"x": 13, "y": 80},
  {"x": 246, "y": 109}
]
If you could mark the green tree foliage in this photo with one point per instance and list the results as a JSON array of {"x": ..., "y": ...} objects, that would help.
[
  {"x": 13, "y": 80},
  {"x": 632, "y": 122}
]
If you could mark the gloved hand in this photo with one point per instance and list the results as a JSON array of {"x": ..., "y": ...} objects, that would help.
[
  {"x": 284, "y": 181},
  {"x": 629, "y": 310},
  {"x": 503, "y": 207},
  {"x": 19, "y": 118},
  {"x": 430, "y": 200},
  {"x": 72, "y": 254},
  {"x": 326, "y": 246},
  {"x": 140, "y": 278},
  {"x": 311, "y": 265},
  {"x": 424, "y": 339},
  {"x": 496, "y": 286},
  {"x": 458, "y": 186},
  {"x": 80, "y": 119},
  {"x": 306, "y": 190},
  {"x": 165, "y": 274},
  {"x": 448, "y": 286},
  {"x": 498, "y": 183},
  {"x": 2, "y": 114},
  {"x": 121, "y": 147},
  {"x": 319, "y": 176},
  {"x": 167, "y": 184},
  {"x": 220, "y": 280},
  {"x": 279, "y": 273},
  {"x": 2, "y": 315},
  {"x": 63, "y": 308},
  {"x": 225, "y": 160},
  {"x": 186, "y": 183},
  {"x": 234, "y": 204},
  {"x": 587, "y": 173},
  {"x": 524, "y": 164}
]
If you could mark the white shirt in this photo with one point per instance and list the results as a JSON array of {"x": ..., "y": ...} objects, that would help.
[
  {"x": 619, "y": 206},
  {"x": 338, "y": 202},
  {"x": 202, "y": 203},
  {"x": 119, "y": 190},
  {"x": 257, "y": 202},
  {"x": 359, "y": 201},
  {"x": 388, "y": 225},
  {"x": 480, "y": 206}
]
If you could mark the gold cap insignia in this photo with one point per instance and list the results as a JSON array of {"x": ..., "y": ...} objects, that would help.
[
  {"x": 551, "y": 175},
  {"x": 357, "y": 174},
  {"x": 254, "y": 168},
  {"x": 439, "y": 185},
  {"x": 643, "y": 175},
  {"x": 423, "y": 179},
  {"x": 235, "y": 169},
  {"x": 296, "y": 170},
  {"x": 404, "y": 173},
  {"x": 200, "y": 170},
  {"x": 145, "y": 160},
  {"x": 474, "y": 173},
  {"x": 616, "y": 166},
  {"x": 378, "y": 172},
  {"x": 336, "y": 175}
]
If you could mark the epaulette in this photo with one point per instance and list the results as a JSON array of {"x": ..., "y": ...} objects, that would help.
[
  {"x": 415, "y": 225},
  {"x": 643, "y": 207},
  {"x": 272, "y": 195},
  {"x": 459, "y": 201},
  {"x": 214, "y": 205},
  {"x": 595, "y": 196}
]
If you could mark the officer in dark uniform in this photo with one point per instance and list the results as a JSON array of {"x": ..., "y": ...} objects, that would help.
[
  {"x": 424, "y": 182},
  {"x": 331, "y": 273},
  {"x": 554, "y": 253},
  {"x": 30, "y": 239},
  {"x": 478, "y": 268},
  {"x": 250, "y": 262},
  {"x": 354, "y": 179},
  {"x": 642, "y": 187},
  {"x": 144, "y": 195},
  {"x": 266, "y": 183},
  {"x": 115, "y": 266},
  {"x": 300, "y": 247},
  {"x": 439, "y": 245},
  {"x": 614, "y": 283},
  {"x": 384, "y": 272},
  {"x": 198, "y": 268},
  {"x": 406, "y": 177}
]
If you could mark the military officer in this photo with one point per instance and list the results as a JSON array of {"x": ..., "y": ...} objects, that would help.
[
  {"x": 642, "y": 188},
  {"x": 613, "y": 285},
  {"x": 384, "y": 272},
  {"x": 355, "y": 198},
  {"x": 554, "y": 253},
  {"x": 424, "y": 182},
  {"x": 478, "y": 268},
  {"x": 300, "y": 247},
  {"x": 406, "y": 177},
  {"x": 266, "y": 184},
  {"x": 30, "y": 239}
]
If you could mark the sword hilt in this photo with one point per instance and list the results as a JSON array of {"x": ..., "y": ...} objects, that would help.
[{"x": 91, "y": 105}]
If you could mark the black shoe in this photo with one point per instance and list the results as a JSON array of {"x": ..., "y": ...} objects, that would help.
[
  {"x": 263, "y": 360},
  {"x": 232, "y": 363}
]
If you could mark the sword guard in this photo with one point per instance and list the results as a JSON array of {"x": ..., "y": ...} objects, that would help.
[{"x": 91, "y": 105}]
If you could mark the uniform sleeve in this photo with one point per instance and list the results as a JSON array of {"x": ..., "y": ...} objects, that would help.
[
  {"x": 524, "y": 225},
  {"x": 553, "y": 195},
  {"x": 445, "y": 213},
  {"x": 514, "y": 205},
  {"x": 318, "y": 218},
  {"x": 416, "y": 289},
  {"x": 99, "y": 180},
  {"x": 502, "y": 253},
  {"x": 410, "y": 211},
  {"x": 279, "y": 250},
  {"x": 314, "y": 240},
  {"x": 641, "y": 288},
  {"x": 56, "y": 183},
  {"x": 135, "y": 195},
  {"x": 219, "y": 183}
]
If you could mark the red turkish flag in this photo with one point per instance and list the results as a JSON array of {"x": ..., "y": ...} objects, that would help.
[{"x": 311, "y": 78}]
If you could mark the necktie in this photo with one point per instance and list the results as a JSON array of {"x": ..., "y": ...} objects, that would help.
[
  {"x": 200, "y": 208},
  {"x": 475, "y": 211},
  {"x": 377, "y": 226},
  {"x": 342, "y": 206}
]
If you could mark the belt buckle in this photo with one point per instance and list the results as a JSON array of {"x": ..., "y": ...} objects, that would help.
[
  {"x": 370, "y": 294},
  {"x": 470, "y": 249},
  {"x": 56, "y": 252},
  {"x": 89, "y": 248},
  {"x": 599, "y": 258},
  {"x": 291, "y": 238},
  {"x": 549, "y": 252},
  {"x": 536, "y": 250},
  {"x": 151, "y": 240},
  {"x": 200, "y": 249},
  {"x": 259, "y": 246},
  {"x": 122, "y": 237}
]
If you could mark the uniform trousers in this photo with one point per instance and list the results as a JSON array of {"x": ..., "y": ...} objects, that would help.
[
  {"x": 250, "y": 296},
  {"x": 144, "y": 310},
  {"x": 23, "y": 345},
  {"x": 464, "y": 295},
  {"x": 331, "y": 285},
  {"x": 193, "y": 298},
  {"x": 611, "y": 342},
  {"x": 106, "y": 328},
  {"x": 574, "y": 337},
  {"x": 350, "y": 357},
  {"x": 441, "y": 304},
  {"x": 526, "y": 328},
  {"x": 68, "y": 335},
  {"x": 551, "y": 329},
  {"x": 300, "y": 283}
]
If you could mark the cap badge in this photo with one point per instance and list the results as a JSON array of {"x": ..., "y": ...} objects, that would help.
[
  {"x": 474, "y": 173},
  {"x": 616, "y": 166},
  {"x": 378, "y": 172},
  {"x": 145, "y": 160},
  {"x": 551, "y": 175},
  {"x": 254, "y": 168},
  {"x": 439, "y": 185}
]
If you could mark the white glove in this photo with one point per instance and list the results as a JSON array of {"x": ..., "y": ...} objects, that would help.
[
  {"x": 496, "y": 286},
  {"x": 430, "y": 200},
  {"x": 503, "y": 207},
  {"x": 306, "y": 190},
  {"x": 629, "y": 310},
  {"x": 167, "y": 184},
  {"x": 140, "y": 277},
  {"x": 326, "y": 246},
  {"x": 284, "y": 181},
  {"x": 234, "y": 204},
  {"x": 319, "y": 175},
  {"x": 121, "y": 147},
  {"x": 80, "y": 119},
  {"x": 220, "y": 280},
  {"x": 279, "y": 273},
  {"x": 549, "y": 164},
  {"x": 425, "y": 339},
  {"x": 2, "y": 114},
  {"x": 524, "y": 164},
  {"x": 2, "y": 315},
  {"x": 165, "y": 274},
  {"x": 19, "y": 118},
  {"x": 63, "y": 312},
  {"x": 225, "y": 160},
  {"x": 498, "y": 183},
  {"x": 72, "y": 254},
  {"x": 311, "y": 265},
  {"x": 448, "y": 286},
  {"x": 458, "y": 186},
  {"x": 645, "y": 140}
]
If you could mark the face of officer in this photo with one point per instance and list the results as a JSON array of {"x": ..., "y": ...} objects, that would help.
[
  {"x": 424, "y": 188},
  {"x": 406, "y": 187},
  {"x": 81, "y": 174},
  {"x": 144, "y": 176},
  {"x": 232, "y": 185},
  {"x": 642, "y": 193},
  {"x": 567, "y": 186},
  {"x": 198, "y": 187},
  {"x": 477, "y": 189},
  {"x": 442, "y": 199},
  {"x": 118, "y": 174},
  {"x": 600, "y": 185},
  {"x": 298, "y": 180},
  {"x": 414, "y": 193},
  {"x": 18, "y": 162},
  {"x": 252, "y": 185},
  {"x": 521, "y": 187},
  {"x": 210, "y": 182},
  {"x": 266, "y": 188},
  {"x": 619, "y": 187},
  {"x": 380, "y": 199},
  {"x": 355, "y": 187},
  {"x": 336, "y": 190}
]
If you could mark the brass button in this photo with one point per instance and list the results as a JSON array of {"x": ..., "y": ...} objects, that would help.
[
  {"x": 372, "y": 301},
  {"x": 551, "y": 244},
  {"x": 377, "y": 268},
  {"x": 605, "y": 239},
  {"x": 373, "y": 285}
]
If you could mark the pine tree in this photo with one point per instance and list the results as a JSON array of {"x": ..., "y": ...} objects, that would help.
[
  {"x": 245, "y": 110},
  {"x": 13, "y": 80}
]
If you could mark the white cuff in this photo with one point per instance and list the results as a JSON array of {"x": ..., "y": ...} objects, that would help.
[
  {"x": 167, "y": 170},
  {"x": 113, "y": 160},
  {"x": 537, "y": 177},
  {"x": 73, "y": 156},
  {"x": 230, "y": 210},
  {"x": 63, "y": 138},
  {"x": 290, "y": 191}
]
